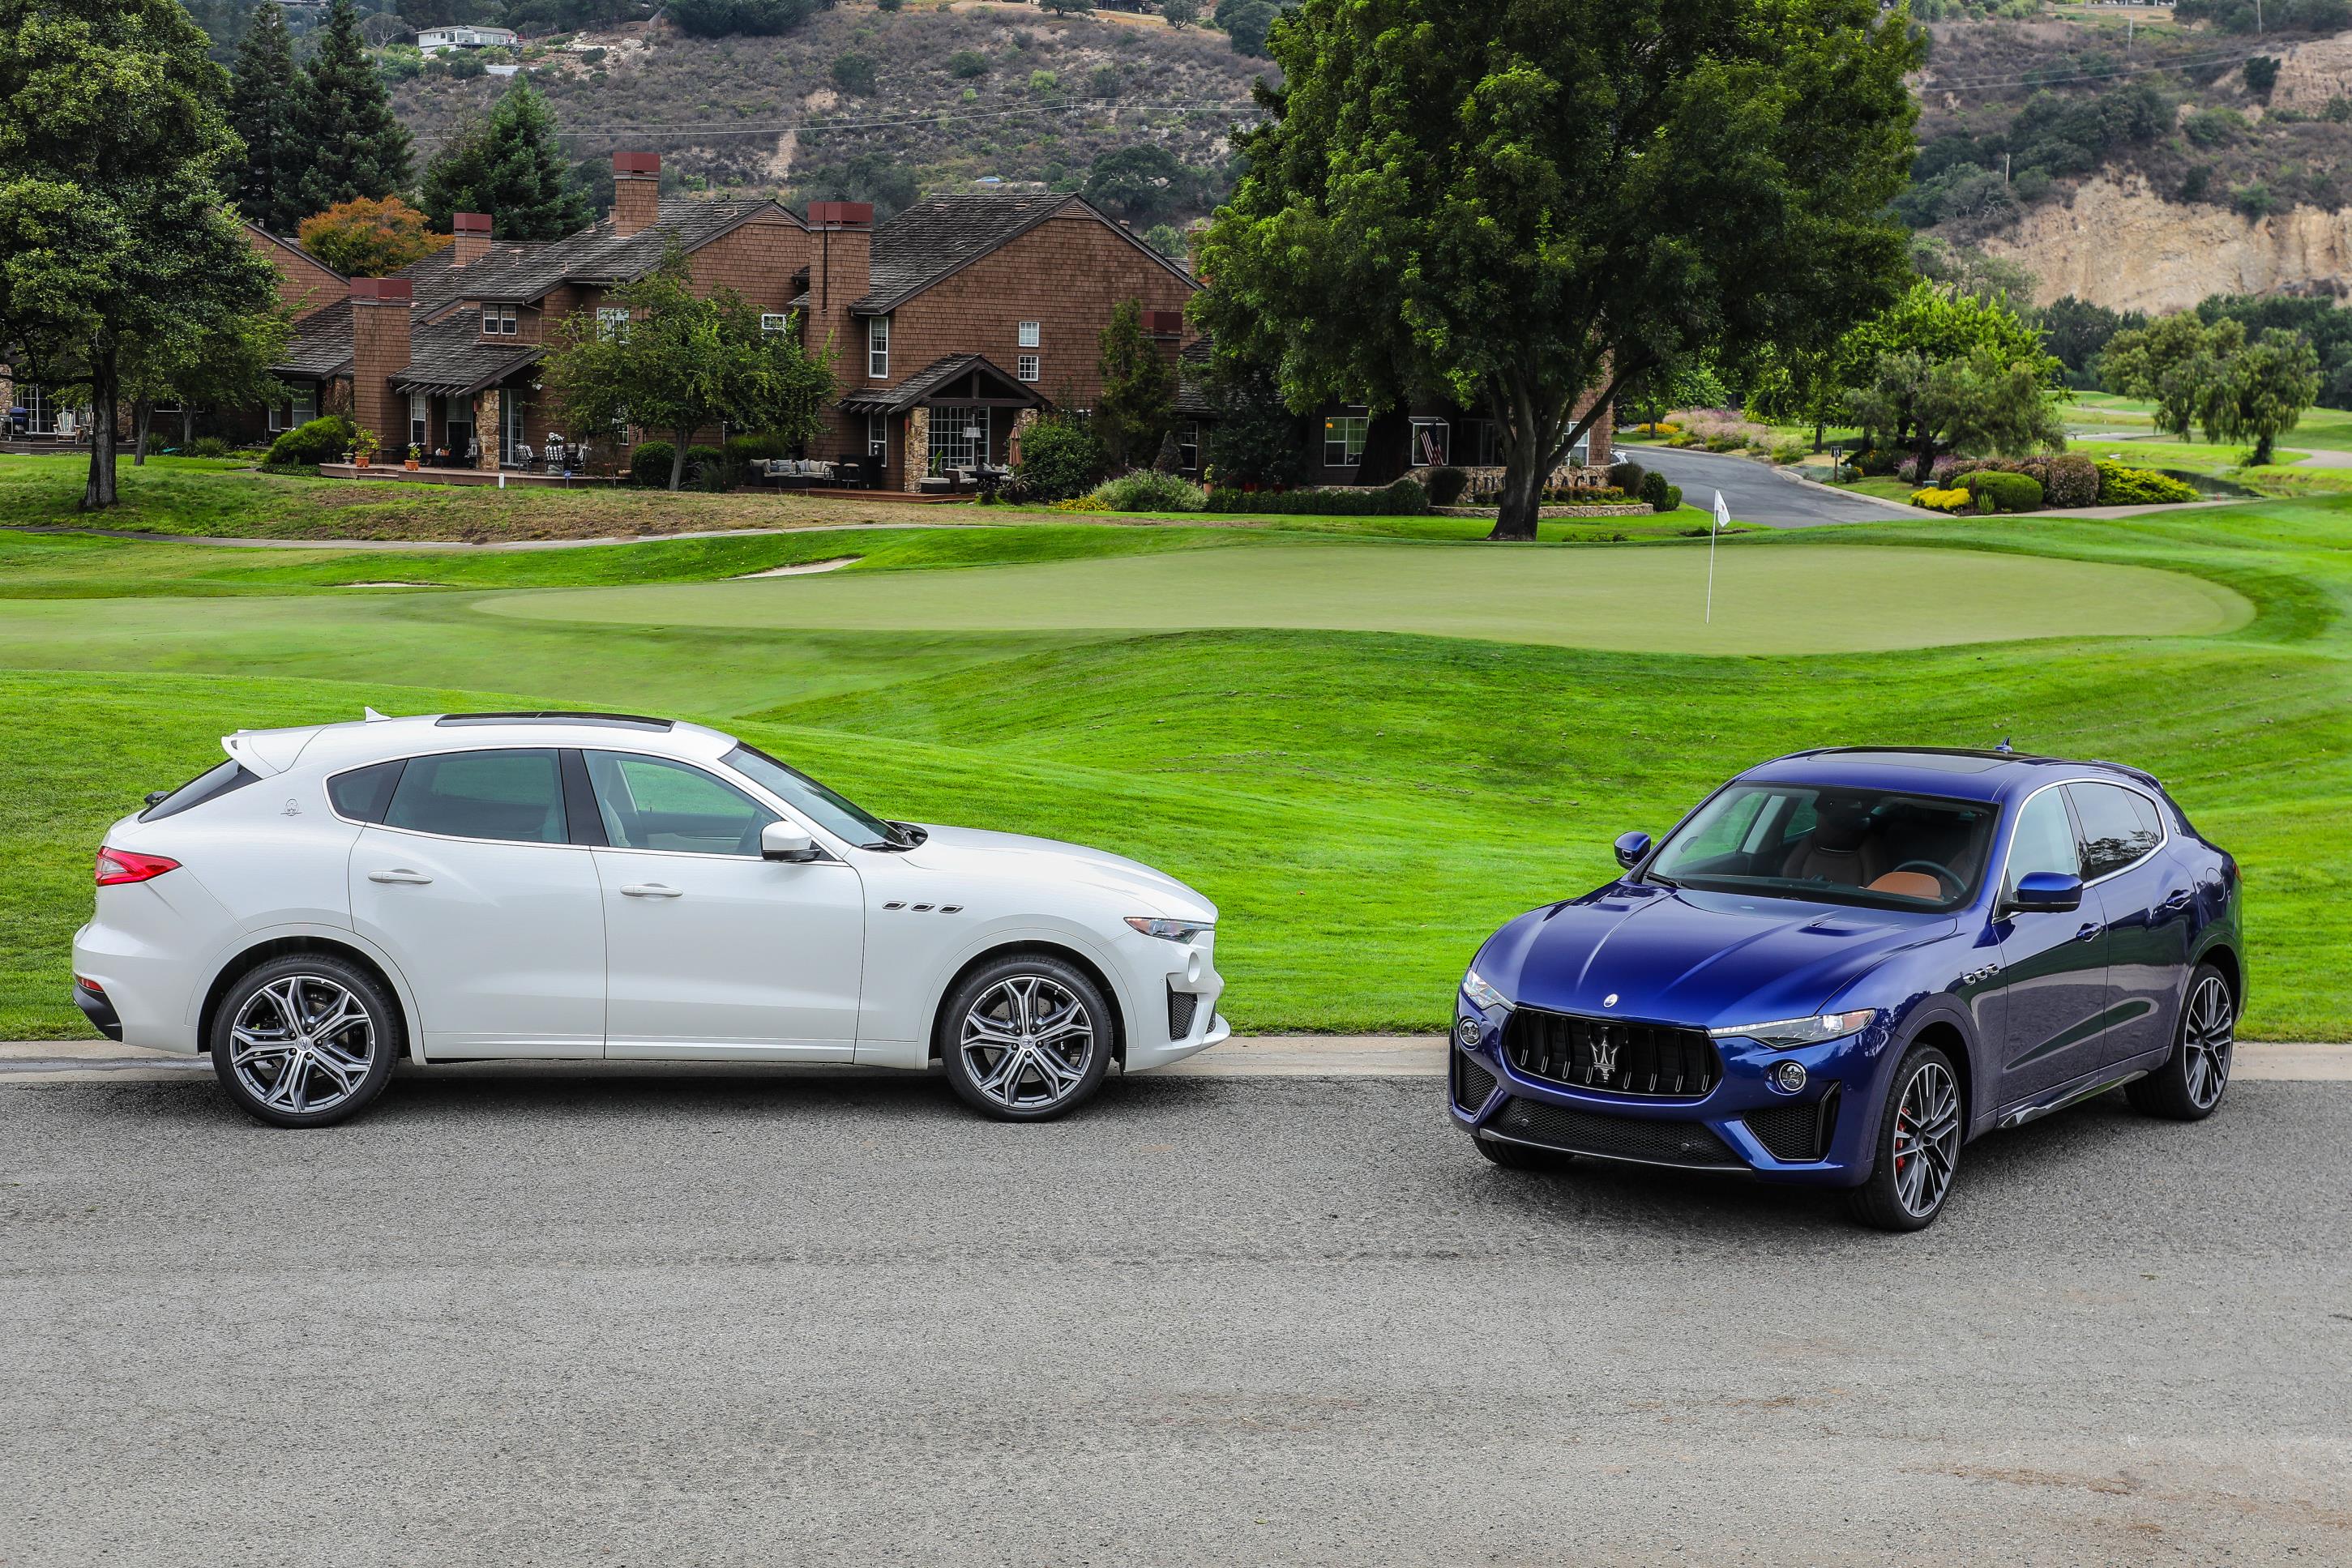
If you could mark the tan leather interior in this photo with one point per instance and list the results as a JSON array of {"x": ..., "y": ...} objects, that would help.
[{"x": 1908, "y": 884}]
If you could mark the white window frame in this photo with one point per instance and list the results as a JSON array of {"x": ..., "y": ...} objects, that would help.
[
  {"x": 877, "y": 348},
  {"x": 1028, "y": 335},
  {"x": 878, "y": 436},
  {"x": 775, "y": 320},
  {"x": 950, "y": 448},
  {"x": 499, "y": 321},
  {"x": 1414, "y": 457},
  {"x": 417, "y": 424},
  {"x": 1339, "y": 430},
  {"x": 1025, "y": 367},
  {"x": 613, "y": 320},
  {"x": 1188, "y": 446}
]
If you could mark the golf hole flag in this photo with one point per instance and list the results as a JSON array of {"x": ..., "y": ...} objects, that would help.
[{"x": 1722, "y": 521}]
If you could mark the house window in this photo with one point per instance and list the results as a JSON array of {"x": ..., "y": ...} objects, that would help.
[
  {"x": 877, "y": 349},
  {"x": 41, "y": 411},
  {"x": 613, "y": 321},
  {"x": 1343, "y": 440},
  {"x": 416, "y": 419},
  {"x": 497, "y": 320},
  {"x": 958, "y": 437},
  {"x": 1028, "y": 334},
  {"x": 512, "y": 440},
  {"x": 775, "y": 321},
  {"x": 1188, "y": 447},
  {"x": 878, "y": 436},
  {"x": 301, "y": 409},
  {"x": 1025, "y": 367},
  {"x": 1431, "y": 440}
]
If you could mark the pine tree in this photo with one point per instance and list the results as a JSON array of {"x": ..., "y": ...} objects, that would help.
[
  {"x": 510, "y": 167},
  {"x": 346, "y": 139},
  {"x": 261, "y": 110}
]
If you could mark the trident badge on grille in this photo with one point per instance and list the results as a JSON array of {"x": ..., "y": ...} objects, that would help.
[{"x": 1604, "y": 1054}]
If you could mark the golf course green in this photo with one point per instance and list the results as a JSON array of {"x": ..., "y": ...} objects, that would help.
[{"x": 1369, "y": 747}]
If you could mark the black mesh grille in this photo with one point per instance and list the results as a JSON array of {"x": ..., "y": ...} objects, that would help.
[
  {"x": 1472, "y": 1083},
  {"x": 1613, "y": 1137},
  {"x": 1796, "y": 1133},
  {"x": 1655, "y": 1061},
  {"x": 1181, "y": 1006}
]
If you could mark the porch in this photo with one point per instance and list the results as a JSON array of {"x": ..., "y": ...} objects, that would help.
[{"x": 938, "y": 430}]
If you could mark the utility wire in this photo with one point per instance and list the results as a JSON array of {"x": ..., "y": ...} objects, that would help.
[
  {"x": 2185, "y": 62},
  {"x": 720, "y": 127}
]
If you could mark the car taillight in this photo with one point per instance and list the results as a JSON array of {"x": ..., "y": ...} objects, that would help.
[{"x": 126, "y": 865}]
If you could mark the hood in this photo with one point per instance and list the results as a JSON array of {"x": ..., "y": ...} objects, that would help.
[
  {"x": 1702, "y": 959},
  {"x": 959, "y": 850}
]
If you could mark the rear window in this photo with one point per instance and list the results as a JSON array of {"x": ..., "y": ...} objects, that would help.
[
  {"x": 364, "y": 792},
  {"x": 214, "y": 781}
]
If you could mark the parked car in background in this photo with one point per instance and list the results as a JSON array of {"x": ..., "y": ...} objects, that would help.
[
  {"x": 1846, "y": 963},
  {"x": 596, "y": 885}
]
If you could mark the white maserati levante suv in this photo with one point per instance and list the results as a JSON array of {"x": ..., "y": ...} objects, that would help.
[{"x": 573, "y": 884}]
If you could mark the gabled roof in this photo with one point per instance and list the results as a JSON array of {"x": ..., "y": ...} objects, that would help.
[
  {"x": 322, "y": 346},
  {"x": 597, "y": 254},
  {"x": 988, "y": 384},
  {"x": 449, "y": 357},
  {"x": 936, "y": 238},
  {"x": 440, "y": 285}
]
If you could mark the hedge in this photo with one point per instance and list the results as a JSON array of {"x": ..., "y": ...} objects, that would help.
[
  {"x": 1148, "y": 490},
  {"x": 650, "y": 463},
  {"x": 2122, "y": 486},
  {"x": 1405, "y": 498},
  {"x": 1996, "y": 491},
  {"x": 322, "y": 440}
]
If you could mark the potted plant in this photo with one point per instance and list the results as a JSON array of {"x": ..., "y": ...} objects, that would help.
[
  {"x": 415, "y": 456},
  {"x": 363, "y": 447}
]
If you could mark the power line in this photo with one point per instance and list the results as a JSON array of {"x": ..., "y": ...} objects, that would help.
[
  {"x": 725, "y": 129},
  {"x": 2186, "y": 62}
]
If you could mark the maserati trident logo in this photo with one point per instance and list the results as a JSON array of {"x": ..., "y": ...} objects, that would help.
[
  {"x": 1610, "y": 1001},
  {"x": 1604, "y": 1054}
]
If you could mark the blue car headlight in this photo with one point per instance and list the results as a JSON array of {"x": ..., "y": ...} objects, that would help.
[
  {"x": 1787, "y": 1034},
  {"x": 1482, "y": 997}
]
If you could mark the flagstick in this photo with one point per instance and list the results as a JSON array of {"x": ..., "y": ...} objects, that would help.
[{"x": 1713, "y": 525}]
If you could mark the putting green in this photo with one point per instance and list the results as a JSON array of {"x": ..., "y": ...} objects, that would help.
[{"x": 1781, "y": 598}]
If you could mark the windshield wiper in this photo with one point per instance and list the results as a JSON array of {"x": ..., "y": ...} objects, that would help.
[{"x": 1660, "y": 879}]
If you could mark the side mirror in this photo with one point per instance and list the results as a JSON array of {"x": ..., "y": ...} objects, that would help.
[
  {"x": 787, "y": 841},
  {"x": 1631, "y": 848},
  {"x": 2053, "y": 891}
]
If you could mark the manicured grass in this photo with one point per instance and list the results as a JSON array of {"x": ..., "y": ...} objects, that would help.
[{"x": 1363, "y": 804}]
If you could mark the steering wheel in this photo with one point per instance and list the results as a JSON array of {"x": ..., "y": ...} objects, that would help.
[{"x": 1944, "y": 874}]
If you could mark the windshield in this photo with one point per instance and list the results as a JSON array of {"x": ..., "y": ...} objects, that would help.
[
  {"x": 837, "y": 814},
  {"x": 1820, "y": 842}
]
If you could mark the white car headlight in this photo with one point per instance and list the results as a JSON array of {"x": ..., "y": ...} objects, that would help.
[
  {"x": 1787, "y": 1034},
  {"x": 1170, "y": 930},
  {"x": 1482, "y": 996}
]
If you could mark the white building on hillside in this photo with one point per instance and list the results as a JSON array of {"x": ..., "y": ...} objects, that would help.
[{"x": 433, "y": 40}]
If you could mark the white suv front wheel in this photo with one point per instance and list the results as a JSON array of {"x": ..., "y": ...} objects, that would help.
[{"x": 1025, "y": 1037}]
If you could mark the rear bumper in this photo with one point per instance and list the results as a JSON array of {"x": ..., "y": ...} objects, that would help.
[{"x": 95, "y": 1006}]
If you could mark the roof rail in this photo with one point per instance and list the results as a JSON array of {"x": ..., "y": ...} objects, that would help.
[{"x": 554, "y": 716}]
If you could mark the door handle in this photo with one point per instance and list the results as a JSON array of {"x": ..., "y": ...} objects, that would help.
[
  {"x": 648, "y": 890},
  {"x": 2089, "y": 928},
  {"x": 2175, "y": 902},
  {"x": 402, "y": 874}
]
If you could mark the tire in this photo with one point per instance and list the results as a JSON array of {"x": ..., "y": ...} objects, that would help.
[
  {"x": 276, "y": 1063},
  {"x": 1025, "y": 1038},
  {"x": 1925, "y": 1113},
  {"x": 2189, "y": 1086},
  {"x": 1520, "y": 1157}
]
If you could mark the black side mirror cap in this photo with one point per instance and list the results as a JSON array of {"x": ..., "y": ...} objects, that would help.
[{"x": 1632, "y": 848}]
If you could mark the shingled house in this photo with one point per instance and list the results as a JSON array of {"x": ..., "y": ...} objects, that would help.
[{"x": 950, "y": 323}]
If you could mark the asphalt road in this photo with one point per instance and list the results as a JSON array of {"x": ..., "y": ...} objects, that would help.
[
  {"x": 537, "y": 1318},
  {"x": 1756, "y": 493}
]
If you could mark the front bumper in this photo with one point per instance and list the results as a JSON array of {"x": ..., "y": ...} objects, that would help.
[{"x": 1732, "y": 1128}]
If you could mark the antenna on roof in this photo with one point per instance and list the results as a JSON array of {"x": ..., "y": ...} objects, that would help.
[
  {"x": 369, "y": 715},
  {"x": 2004, "y": 747}
]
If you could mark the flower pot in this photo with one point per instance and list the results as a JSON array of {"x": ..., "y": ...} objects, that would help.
[{"x": 410, "y": 465}]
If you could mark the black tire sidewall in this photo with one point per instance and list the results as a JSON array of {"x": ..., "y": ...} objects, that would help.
[
  {"x": 947, "y": 1028},
  {"x": 2164, "y": 1092},
  {"x": 391, "y": 1036},
  {"x": 1874, "y": 1202}
]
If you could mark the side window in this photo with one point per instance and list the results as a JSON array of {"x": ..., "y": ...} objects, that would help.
[
  {"x": 2044, "y": 840},
  {"x": 219, "y": 779},
  {"x": 512, "y": 795},
  {"x": 2119, "y": 826},
  {"x": 364, "y": 792},
  {"x": 650, "y": 803}
]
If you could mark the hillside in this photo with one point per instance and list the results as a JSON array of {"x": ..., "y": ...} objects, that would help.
[
  {"x": 2138, "y": 162},
  {"x": 957, "y": 93}
]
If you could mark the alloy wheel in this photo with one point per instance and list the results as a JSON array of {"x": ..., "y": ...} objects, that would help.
[
  {"x": 302, "y": 1043},
  {"x": 1926, "y": 1138},
  {"x": 1025, "y": 1042},
  {"x": 2208, "y": 1040}
]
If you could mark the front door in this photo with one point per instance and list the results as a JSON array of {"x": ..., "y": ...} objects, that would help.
[
  {"x": 716, "y": 953},
  {"x": 2146, "y": 898},
  {"x": 2053, "y": 963},
  {"x": 495, "y": 920}
]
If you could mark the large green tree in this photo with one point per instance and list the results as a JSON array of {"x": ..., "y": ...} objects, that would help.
[
  {"x": 1139, "y": 388},
  {"x": 509, "y": 166},
  {"x": 220, "y": 364},
  {"x": 2170, "y": 361},
  {"x": 1898, "y": 365},
  {"x": 115, "y": 234},
  {"x": 347, "y": 141},
  {"x": 2261, "y": 389},
  {"x": 1520, "y": 204},
  {"x": 684, "y": 362},
  {"x": 261, "y": 111}
]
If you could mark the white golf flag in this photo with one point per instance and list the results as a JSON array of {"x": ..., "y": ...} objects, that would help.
[{"x": 1722, "y": 520}]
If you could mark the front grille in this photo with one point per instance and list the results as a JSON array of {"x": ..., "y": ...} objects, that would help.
[
  {"x": 1796, "y": 1133},
  {"x": 1472, "y": 1085},
  {"x": 1656, "y": 1061},
  {"x": 1613, "y": 1137},
  {"x": 1181, "y": 1006}
]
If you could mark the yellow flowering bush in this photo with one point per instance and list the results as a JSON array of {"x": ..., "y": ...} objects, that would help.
[{"x": 1941, "y": 500}]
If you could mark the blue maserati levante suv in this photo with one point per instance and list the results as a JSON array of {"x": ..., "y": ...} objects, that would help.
[{"x": 1846, "y": 963}]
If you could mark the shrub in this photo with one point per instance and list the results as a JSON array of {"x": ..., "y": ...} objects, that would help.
[
  {"x": 855, "y": 73},
  {"x": 1059, "y": 459},
  {"x": 323, "y": 440},
  {"x": 1682, "y": 438},
  {"x": 650, "y": 463},
  {"x": 1628, "y": 476},
  {"x": 965, "y": 64},
  {"x": 1999, "y": 492},
  {"x": 1938, "y": 500},
  {"x": 2123, "y": 487},
  {"x": 2068, "y": 480},
  {"x": 1662, "y": 496},
  {"x": 1723, "y": 444},
  {"x": 1444, "y": 486},
  {"x": 209, "y": 447},
  {"x": 705, "y": 469},
  {"x": 1405, "y": 498},
  {"x": 1149, "y": 490},
  {"x": 1793, "y": 450}
]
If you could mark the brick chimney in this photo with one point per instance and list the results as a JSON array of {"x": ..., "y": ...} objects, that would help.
[
  {"x": 380, "y": 307},
  {"x": 473, "y": 231},
  {"x": 844, "y": 255},
  {"x": 636, "y": 191}
]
